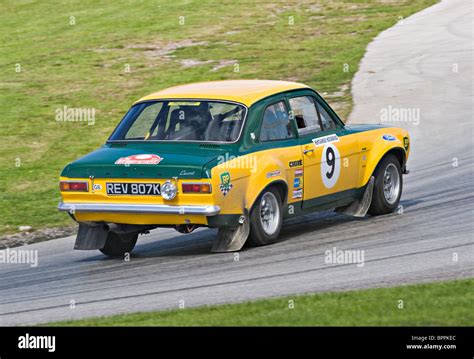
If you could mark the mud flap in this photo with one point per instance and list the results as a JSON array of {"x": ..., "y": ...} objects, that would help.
[
  {"x": 91, "y": 236},
  {"x": 360, "y": 207},
  {"x": 231, "y": 239}
]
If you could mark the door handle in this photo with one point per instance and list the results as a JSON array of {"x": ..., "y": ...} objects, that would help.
[{"x": 308, "y": 150}]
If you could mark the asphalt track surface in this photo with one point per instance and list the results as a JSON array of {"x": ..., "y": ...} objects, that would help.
[{"x": 412, "y": 65}]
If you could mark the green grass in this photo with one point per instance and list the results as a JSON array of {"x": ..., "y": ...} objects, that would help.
[
  {"x": 435, "y": 304},
  {"x": 83, "y": 65}
]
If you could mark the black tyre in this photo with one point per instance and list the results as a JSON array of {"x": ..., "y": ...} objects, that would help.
[
  {"x": 117, "y": 245},
  {"x": 388, "y": 186},
  {"x": 266, "y": 218}
]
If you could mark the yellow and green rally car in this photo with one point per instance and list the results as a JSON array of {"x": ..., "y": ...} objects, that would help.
[{"x": 240, "y": 156}]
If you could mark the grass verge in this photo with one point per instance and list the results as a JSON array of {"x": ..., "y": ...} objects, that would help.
[{"x": 436, "y": 304}]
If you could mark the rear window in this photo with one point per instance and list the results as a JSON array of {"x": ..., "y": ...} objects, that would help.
[{"x": 188, "y": 120}]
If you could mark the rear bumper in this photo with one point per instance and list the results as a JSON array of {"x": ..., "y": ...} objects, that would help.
[{"x": 137, "y": 208}]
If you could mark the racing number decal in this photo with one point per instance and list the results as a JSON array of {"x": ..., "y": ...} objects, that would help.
[
  {"x": 331, "y": 161},
  {"x": 330, "y": 165}
]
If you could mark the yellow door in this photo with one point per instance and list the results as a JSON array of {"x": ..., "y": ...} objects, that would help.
[
  {"x": 330, "y": 152},
  {"x": 331, "y": 165}
]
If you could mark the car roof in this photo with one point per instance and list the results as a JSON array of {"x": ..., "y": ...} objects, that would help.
[{"x": 243, "y": 91}]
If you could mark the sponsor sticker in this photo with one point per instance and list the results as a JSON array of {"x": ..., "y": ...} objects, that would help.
[
  {"x": 296, "y": 163},
  {"x": 298, "y": 193},
  {"x": 406, "y": 143},
  {"x": 321, "y": 141},
  {"x": 297, "y": 182},
  {"x": 145, "y": 159},
  {"x": 225, "y": 185},
  {"x": 389, "y": 138},
  {"x": 184, "y": 103},
  {"x": 273, "y": 173},
  {"x": 299, "y": 172}
]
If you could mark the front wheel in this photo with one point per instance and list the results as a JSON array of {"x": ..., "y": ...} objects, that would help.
[
  {"x": 387, "y": 186},
  {"x": 116, "y": 245},
  {"x": 266, "y": 218}
]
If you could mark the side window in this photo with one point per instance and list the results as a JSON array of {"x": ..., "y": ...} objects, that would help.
[
  {"x": 326, "y": 120},
  {"x": 276, "y": 123},
  {"x": 304, "y": 111}
]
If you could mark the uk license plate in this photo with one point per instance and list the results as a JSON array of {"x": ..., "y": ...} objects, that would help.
[{"x": 139, "y": 189}]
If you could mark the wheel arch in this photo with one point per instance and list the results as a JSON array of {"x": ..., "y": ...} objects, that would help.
[
  {"x": 398, "y": 152},
  {"x": 373, "y": 164},
  {"x": 280, "y": 185}
]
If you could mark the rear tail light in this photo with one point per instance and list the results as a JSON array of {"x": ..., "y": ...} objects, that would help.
[
  {"x": 196, "y": 188},
  {"x": 74, "y": 186}
]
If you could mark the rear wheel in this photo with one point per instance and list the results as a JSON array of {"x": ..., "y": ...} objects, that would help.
[
  {"x": 387, "y": 186},
  {"x": 266, "y": 218},
  {"x": 116, "y": 245}
]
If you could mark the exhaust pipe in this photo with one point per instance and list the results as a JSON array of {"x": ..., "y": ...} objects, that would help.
[{"x": 185, "y": 228}]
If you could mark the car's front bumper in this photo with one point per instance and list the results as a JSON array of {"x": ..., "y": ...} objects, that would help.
[{"x": 204, "y": 210}]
